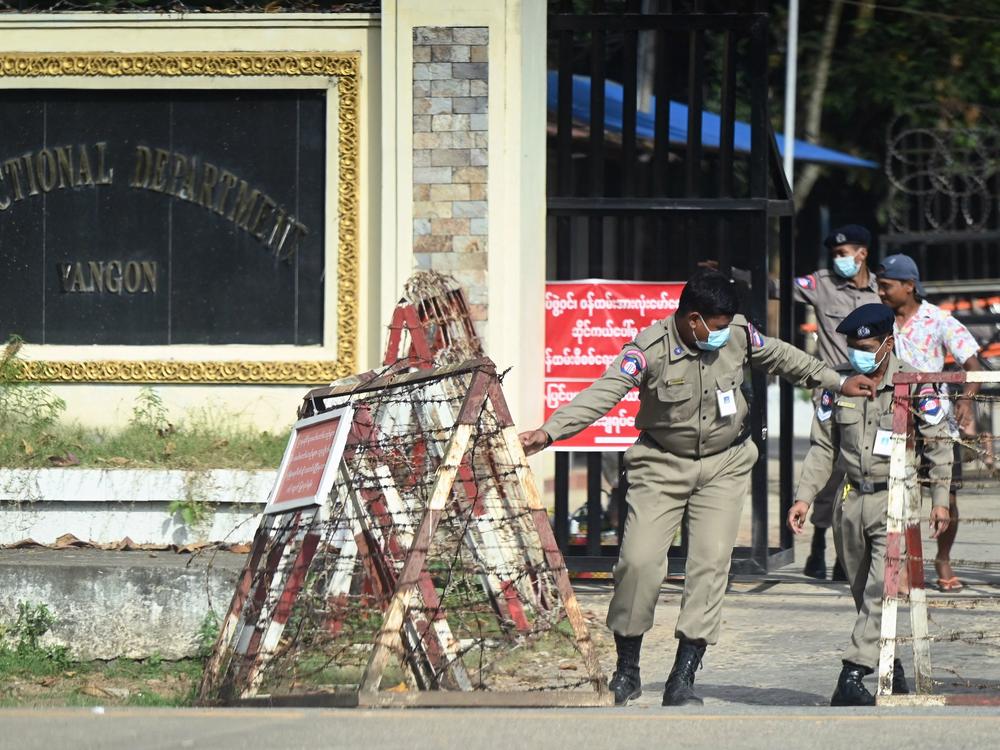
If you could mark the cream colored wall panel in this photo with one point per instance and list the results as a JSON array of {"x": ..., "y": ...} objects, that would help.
[{"x": 358, "y": 35}]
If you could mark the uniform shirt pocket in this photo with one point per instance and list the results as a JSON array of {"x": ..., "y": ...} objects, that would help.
[
  {"x": 885, "y": 421},
  {"x": 842, "y": 415},
  {"x": 679, "y": 401}
]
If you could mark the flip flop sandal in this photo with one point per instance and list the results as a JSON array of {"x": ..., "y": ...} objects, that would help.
[{"x": 949, "y": 585}]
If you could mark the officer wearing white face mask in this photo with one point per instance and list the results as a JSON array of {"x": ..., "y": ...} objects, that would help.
[
  {"x": 834, "y": 293},
  {"x": 850, "y": 436},
  {"x": 693, "y": 455}
]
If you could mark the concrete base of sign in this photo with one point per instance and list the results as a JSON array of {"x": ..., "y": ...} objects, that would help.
[
  {"x": 110, "y": 605},
  {"x": 104, "y": 506}
]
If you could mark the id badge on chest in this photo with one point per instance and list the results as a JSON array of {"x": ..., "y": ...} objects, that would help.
[
  {"x": 727, "y": 403},
  {"x": 883, "y": 443}
]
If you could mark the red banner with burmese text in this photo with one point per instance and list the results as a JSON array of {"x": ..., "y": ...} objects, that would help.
[{"x": 586, "y": 324}]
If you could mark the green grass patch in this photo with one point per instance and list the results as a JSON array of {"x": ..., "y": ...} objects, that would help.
[
  {"x": 33, "y": 434},
  {"x": 35, "y": 674},
  {"x": 192, "y": 445}
]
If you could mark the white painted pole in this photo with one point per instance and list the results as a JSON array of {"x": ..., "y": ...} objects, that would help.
[{"x": 791, "y": 73}]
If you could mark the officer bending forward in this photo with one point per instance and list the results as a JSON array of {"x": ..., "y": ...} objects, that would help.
[
  {"x": 853, "y": 434},
  {"x": 692, "y": 455}
]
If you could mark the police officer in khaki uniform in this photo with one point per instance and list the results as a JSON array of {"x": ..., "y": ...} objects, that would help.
[
  {"x": 852, "y": 434},
  {"x": 693, "y": 455},
  {"x": 834, "y": 294}
]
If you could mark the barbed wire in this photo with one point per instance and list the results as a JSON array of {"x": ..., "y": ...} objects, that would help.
[{"x": 486, "y": 614}]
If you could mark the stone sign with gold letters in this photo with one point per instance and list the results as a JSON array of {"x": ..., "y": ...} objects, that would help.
[{"x": 162, "y": 217}]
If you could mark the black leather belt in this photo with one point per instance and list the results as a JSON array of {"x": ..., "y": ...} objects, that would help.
[
  {"x": 867, "y": 487},
  {"x": 645, "y": 437}
]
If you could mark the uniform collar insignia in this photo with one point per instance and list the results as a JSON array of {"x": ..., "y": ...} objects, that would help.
[{"x": 677, "y": 348}]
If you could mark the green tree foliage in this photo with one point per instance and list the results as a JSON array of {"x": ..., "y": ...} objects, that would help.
[{"x": 890, "y": 59}]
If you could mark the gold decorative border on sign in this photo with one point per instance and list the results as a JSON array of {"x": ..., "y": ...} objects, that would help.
[
  {"x": 166, "y": 371},
  {"x": 343, "y": 66}
]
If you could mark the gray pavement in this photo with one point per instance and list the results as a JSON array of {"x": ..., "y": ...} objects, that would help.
[
  {"x": 716, "y": 727},
  {"x": 767, "y": 684}
]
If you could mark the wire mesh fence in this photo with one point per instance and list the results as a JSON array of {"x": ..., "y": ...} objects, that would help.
[
  {"x": 954, "y": 637},
  {"x": 431, "y": 568}
]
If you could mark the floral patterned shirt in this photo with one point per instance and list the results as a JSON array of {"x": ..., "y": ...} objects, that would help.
[
  {"x": 921, "y": 343},
  {"x": 922, "y": 340}
]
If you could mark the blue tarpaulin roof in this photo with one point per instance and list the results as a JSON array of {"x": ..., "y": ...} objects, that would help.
[{"x": 710, "y": 123}]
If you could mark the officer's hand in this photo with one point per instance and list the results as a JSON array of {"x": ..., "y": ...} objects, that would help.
[
  {"x": 533, "y": 441},
  {"x": 797, "y": 516},
  {"x": 858, "y": 385},
  {"x": 940, "y": 520},
  {"x": 964, "y": 416}
]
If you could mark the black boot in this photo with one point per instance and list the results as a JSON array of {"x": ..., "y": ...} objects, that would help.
[
  {"x": 679, "y": 690},
  {"x": 850, "y": 690},
  {"x": 816, "y": 562},
  {"x": 899, "y": 679},
  {"x": 838, "y": 572},
  {"x": 625, "y": 682}
]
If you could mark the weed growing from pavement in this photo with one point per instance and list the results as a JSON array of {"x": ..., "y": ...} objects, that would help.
[{"x": 33, "y": 673}]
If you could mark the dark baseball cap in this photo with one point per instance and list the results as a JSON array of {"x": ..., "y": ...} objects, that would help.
[
  {"x": 849, "y": 234},
  {"x": 901, "y": 268}
]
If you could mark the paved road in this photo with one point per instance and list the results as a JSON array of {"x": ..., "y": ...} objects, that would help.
[
  {"x": 719, "y": 727},
  {"x": 766, "y": 685}
]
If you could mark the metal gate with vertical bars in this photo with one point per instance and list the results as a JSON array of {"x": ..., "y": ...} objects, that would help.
[{"x": 641, "y": 187}]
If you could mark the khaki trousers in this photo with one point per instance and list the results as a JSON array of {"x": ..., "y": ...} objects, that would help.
[
  {"x": 859, "y": 535},
  {"x": 661, "y": 487}
]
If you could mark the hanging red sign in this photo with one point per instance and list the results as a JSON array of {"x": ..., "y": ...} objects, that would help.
[{"x": 586, "y": 324}]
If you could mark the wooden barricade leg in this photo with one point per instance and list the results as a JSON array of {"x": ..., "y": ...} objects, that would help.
[
  {"x": 431, "y": 637},
  {"x": 553, "y": 556},
  {"x": 338, "y": 588},
  {"x": 224, "y": 642},
  {"x": 282, "y": 608},
  {"x": 923, "y": 673},
  {"x": 492, "y": 543},
  {"x": 899, "y": 503},
  {"x": 388, "y": 639},
  {"x": 256, "y": 616}
]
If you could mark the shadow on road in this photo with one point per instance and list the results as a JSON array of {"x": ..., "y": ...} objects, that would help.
[{"x": 752, "y": 696}]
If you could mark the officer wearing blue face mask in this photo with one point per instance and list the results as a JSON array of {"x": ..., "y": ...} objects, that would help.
[
  {"x": 850, "y": 437},
  {"x": 834, "y": 293},
  {"x": 692, "y": 456}
]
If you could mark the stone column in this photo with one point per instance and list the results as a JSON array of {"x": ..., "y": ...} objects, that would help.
[
  {"x": 451, "y": 156},
  {"x": 463, "y": 157}
]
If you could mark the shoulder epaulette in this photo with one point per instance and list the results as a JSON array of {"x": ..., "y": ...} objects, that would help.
[{"x": 649, "y": 336}]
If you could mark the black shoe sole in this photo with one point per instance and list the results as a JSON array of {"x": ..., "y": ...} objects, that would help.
[
  {"x": 688, "y": 702},
  {"x": 837, "y": 702},
  {"x": 631, "y": 697},
  {"x": 814, "y": 571}
]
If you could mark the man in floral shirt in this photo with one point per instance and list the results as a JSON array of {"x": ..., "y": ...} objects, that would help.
[{"x": 922, "y": 334}]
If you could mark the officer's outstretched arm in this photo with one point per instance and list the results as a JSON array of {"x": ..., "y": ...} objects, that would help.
[
  {"x": 824, "y": 446},
  {"x": 778, "y": 358},
  {"x": 624, "y": 374}
]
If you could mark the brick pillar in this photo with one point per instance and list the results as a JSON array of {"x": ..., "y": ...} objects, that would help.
[{"x": 450, "y": 162}]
